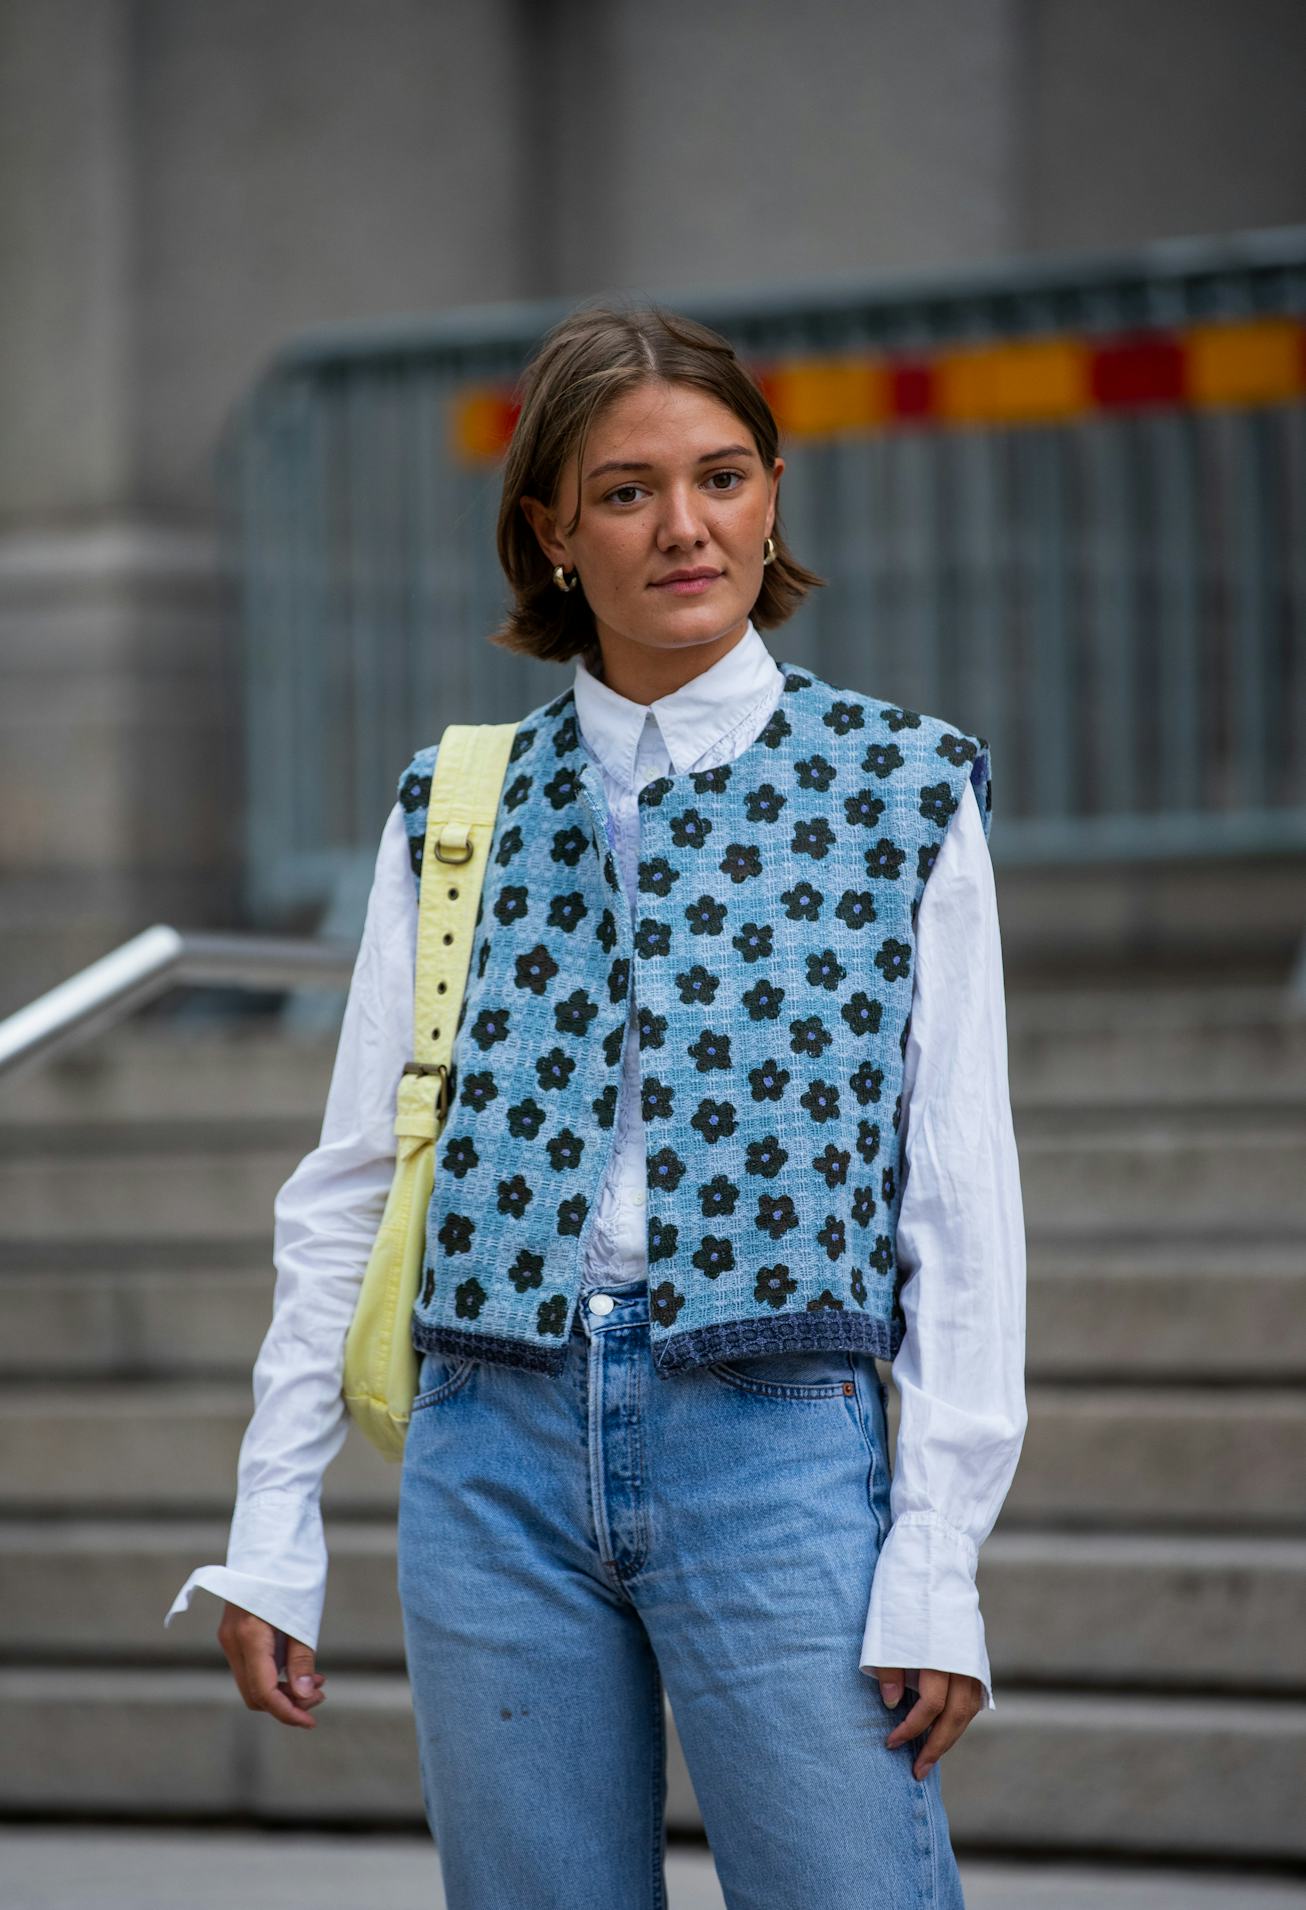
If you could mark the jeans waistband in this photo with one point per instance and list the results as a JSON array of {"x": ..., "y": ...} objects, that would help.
[{"x": 629, "y": 1307}]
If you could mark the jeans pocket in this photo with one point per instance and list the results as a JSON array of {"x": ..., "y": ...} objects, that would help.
[
  {"x": 815, "y": 1374},
  {"x": 439, "y": 1376}
]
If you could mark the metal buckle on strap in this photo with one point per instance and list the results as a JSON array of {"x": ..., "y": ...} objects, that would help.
[
  {"x": 456, "y": 852},
  {"x": 442, "y": 1091}
]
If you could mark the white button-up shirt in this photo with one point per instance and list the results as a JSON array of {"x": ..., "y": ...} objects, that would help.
[{"x": 960, "y": 1369}]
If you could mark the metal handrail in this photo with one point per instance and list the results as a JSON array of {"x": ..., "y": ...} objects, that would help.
[{"x": 160, "y": 958}]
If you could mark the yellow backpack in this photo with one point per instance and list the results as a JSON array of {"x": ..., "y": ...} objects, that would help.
[{"x": 381, "y": 1362}]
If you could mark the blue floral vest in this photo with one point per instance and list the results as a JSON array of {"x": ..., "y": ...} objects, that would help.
[{"x": 771, "y": 964}]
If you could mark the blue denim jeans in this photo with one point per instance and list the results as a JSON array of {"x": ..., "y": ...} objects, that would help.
[{"x": 572, "y": 1545}]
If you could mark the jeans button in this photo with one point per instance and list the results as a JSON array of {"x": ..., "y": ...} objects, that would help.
[{"x": 602, "y": 1303}]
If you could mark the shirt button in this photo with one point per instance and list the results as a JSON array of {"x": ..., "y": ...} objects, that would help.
[
  {"x": 638, "y": 1197},
  {"x": 602, "y": 1303}
]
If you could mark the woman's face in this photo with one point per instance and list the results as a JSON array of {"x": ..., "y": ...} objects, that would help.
[{"x": 672, "y": 482}]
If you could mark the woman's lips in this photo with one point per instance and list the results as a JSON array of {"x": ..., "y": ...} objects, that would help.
[{"x": 689, "y": 586}]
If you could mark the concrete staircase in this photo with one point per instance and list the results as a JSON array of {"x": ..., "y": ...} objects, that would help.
[{"x": 1143, "y": 1592}]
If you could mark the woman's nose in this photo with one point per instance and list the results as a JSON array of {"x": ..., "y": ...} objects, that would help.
[{"x": 682, "y": 521}]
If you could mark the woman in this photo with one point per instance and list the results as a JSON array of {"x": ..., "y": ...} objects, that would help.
[{"x": 730, "y": 1121}]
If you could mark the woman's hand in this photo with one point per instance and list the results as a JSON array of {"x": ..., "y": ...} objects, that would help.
[
  {"x": 256, "y": 1651},
  {"x": 948, "y": 1700}
]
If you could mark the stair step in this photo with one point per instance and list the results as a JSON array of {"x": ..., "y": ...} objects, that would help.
[
  {"x": 165, "y": 1447},
  {"x": 178, "y": 1075},
  {"x": 1177, "y": 1178},
  {"x": 205, "y": 1196},
  {"x": 56, "y": 1576},
  {"x": 1222, "y": 1309},
  {"x": 1076, "y": 1046},
  {"x": 1206, "y": 1459},
  {"x": 134, "y": 1325},
  {"x": 1197, "y": 1458},
  {"x": 1225, "y": 1307},
  {"x": 1085, "y": 1608},
  {"x": 1174, "y": 1777},
  {"x": 1163, "y": 1179},
  {"x": 1169, "y": 1612},
  {"x": 1091, "y": 1048}
]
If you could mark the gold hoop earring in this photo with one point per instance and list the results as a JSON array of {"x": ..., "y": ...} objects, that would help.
[
  {"x": 770, "y": 550},
  {"x": 560, "y": 578}
]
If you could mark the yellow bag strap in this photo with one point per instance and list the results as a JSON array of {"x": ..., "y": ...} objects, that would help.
[{"x": 466, "y": 784}]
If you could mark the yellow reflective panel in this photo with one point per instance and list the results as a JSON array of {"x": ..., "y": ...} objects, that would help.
[
  {"x": 1032, "y": 380},
  {"x": 480, "y": 425},
  {"x": 1258, "y": 361},
  {"x": 821, "y": 397}
]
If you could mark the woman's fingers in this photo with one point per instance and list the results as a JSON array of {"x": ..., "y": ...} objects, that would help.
[
  {"x": 303, "y": 1683},
  {"x": 891, "y": 1682},
  {"x": 923, "y": 1713},
  {"x": 262, "y": 1692},
  {"x": 947, "y": 1703},
  {"x": 252, "y": 1649}
]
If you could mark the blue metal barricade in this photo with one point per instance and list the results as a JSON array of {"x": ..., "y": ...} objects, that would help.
[{"x": 1062, "y": 504}]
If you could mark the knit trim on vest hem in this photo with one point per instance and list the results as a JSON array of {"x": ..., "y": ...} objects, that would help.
[
  {"x": 823, "y": 1330},
  {"x": 467, "y": 1343}
]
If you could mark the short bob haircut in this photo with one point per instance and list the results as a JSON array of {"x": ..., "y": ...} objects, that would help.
[{"x": 590, "y": 357}]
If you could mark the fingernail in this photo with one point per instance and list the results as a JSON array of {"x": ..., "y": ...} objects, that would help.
[
  {"x": 304, "y": 1683},
  {"x": 891, "y": 1693}
]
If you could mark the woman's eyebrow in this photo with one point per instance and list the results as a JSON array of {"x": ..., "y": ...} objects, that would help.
[{"x": 708, "y": 457}]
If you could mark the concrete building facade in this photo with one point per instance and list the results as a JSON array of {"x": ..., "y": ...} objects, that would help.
[{"x": 184, "y": 185}]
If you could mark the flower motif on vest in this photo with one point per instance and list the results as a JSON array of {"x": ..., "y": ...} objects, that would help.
[{"x": 770, "y": 972}]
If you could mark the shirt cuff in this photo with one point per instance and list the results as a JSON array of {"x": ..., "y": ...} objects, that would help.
[
  {"x": 924, "y": 1610},
  {"x": 276, "y": 1565}
]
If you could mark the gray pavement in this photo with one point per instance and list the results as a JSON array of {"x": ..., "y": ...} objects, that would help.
[{"x": 73, "y": 1868}]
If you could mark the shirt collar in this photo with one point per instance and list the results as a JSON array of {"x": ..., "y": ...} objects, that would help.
[{"x": 691, "y": 719}]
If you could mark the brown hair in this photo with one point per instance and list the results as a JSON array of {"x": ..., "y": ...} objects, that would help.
[{"x": 590, "y": 357}]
